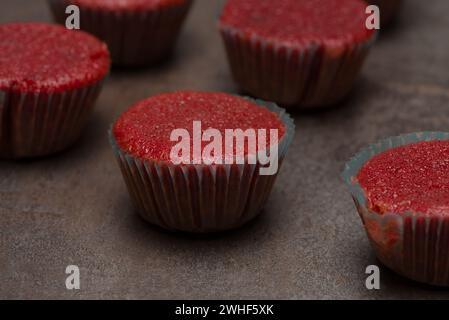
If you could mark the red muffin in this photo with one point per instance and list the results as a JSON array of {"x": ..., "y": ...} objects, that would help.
[
  {"x": 137, "y": 32},
  {"x": 198, "y": 195},
  {"x": 50, "y": 78},
  {"x": 402, "y": 194},
  {"x": 388, "y": 9},
  {"x": 298, "y": 53}
]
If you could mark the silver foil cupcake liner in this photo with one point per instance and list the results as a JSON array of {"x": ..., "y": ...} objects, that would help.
[
  {"x": 134, "y": 37},
  {"x": 39, "y": 124},
  {"x": 296, "y": 78},
  {"x": 412, "y": 244},
  {"x": 200, "y": 198}
]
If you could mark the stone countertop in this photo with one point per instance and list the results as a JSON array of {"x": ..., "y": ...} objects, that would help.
[{"x": 73, "y": 208}]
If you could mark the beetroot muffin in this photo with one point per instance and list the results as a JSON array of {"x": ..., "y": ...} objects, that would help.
[
  {"x": 137, "y": 32},
  {"x": 198, "y": 195},
  {"x": 50, "y": 78},
  {"x": 388, "y": 9},
  {"x": 298, "y": 53},
  {"x": 401, "y": 190}
]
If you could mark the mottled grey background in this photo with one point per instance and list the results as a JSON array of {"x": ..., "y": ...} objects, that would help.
[{"x": 73, "y": 208}]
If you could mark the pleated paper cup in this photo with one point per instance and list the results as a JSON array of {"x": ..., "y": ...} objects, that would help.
[
  {"x": 134, "y": 37},
  {"x": 35, "y": 124},
  {"x": 200, "y": 198},
  {"x": 414, "y": 245},
  {"x": 296, "y": 78}
]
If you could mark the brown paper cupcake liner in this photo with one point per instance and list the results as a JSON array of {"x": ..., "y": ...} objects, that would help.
[
  {"x": 39, "y": 124},
  {"x": 296, "y": 78},
  {"x": 199, "y": 198},
  {"x": 134, "y": 38},
  {"x": 414, "y": 245}
]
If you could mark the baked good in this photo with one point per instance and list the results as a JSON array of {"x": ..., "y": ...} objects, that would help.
[
  {"x": 137, "y": 32},
  {"x": 297, "y": 53},
  {"x": 401, "y": 190},
  {"x": 50, "y": 78},
  {"x": 207, "y": 192}
]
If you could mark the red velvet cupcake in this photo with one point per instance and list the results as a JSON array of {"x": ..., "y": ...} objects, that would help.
[
  {"x": 388, "y": 9},
  {"x": 401, "y": 189},
  {"x": 137, "y": 32},
  {"x": 298, "y": 53},
  {"x": 50, "y": 78},
  {"x": 199, "y": 195}
]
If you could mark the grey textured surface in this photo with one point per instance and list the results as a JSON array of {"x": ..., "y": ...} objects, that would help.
[{"x": 73, "y": 208}]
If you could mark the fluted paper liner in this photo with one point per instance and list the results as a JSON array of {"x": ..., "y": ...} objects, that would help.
[
  {"x": 296, "y": 78},
  {"x": 38, "y": 124},
  {"x": 414, "y": 245},
  {"x": 134, "y": 37},
  {"x": 200, "y": 198}
]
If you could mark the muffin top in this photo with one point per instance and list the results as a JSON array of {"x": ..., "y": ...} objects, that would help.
[
  {"x": 299, "y": 22},
  {"x": 412, "y": 178},
  {"x": 144, "y": 129},
  {"x": 39, "y": 57},
  {"x": 126, "y": 4}
]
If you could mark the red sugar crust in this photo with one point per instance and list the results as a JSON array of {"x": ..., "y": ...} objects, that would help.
[
  {"x": 412, "y": 178},
  {"x": 299, "y": 22},
  {"x": 144, "y": 129},
  {"x": 127, "y": 4},
  {"x": 39, "y": 57}
]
